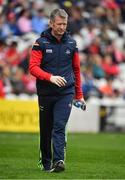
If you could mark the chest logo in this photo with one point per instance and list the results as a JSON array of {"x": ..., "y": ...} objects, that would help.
[
  {"x": 68, "y": 51},
  {"x": 49, "y": 51}
]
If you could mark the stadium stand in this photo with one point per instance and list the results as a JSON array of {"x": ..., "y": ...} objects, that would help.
[{"x": 98, "y": 27}]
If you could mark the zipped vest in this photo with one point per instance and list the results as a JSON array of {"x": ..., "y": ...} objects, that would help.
[{"x": 57, "y": 60}]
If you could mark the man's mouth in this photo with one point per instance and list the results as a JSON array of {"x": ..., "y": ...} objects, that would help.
[{"x": 61, "y": 31}]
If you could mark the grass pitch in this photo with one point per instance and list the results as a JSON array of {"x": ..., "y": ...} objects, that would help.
[{"x": 89, "y": 156}]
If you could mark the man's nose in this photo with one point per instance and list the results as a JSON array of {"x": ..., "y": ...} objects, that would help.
[{"x": 62, "y": 26}]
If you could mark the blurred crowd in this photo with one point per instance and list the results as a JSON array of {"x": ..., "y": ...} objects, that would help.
[{"x": 98, "y": 26}]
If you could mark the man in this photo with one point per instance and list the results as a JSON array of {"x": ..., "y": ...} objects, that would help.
[{"x": 55, "y": 63}]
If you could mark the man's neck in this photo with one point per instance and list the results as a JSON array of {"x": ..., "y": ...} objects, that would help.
[{"x": 57, "y": 37}]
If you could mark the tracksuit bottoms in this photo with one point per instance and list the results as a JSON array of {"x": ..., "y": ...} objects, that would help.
[{"x": 54, "y": 113}]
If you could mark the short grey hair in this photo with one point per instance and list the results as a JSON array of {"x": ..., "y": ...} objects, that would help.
[{"x": 58, "y": 12}]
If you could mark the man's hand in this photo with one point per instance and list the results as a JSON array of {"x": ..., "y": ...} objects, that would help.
[
  {"x": 80, "y": 103},
  {"x": 84, "y": 103},
  {"x": 82, "y": 100},
  {"x": 58, "y": 80}
]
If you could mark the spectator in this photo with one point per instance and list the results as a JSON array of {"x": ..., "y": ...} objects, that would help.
[
  {"x": 110, "y": 69},
  {"x": 39, "y": 21},
  {"x": 97, "y": 69},
  {"x": 88, "y": 83},
  {"x": 16, "y": 81},
  {"x": 12, "y": 26},
  {"x": 4, "y": 30},
  {"x": 12, "y": 54},
  {"x": 24, "y": 21}
]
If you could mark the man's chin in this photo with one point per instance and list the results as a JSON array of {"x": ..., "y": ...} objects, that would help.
[{"x": 61, "y": 33}]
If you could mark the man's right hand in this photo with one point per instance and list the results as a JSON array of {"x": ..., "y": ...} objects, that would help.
[{"x": 58, "y": 80}]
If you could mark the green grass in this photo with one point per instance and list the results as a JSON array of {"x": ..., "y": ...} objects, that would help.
[{"x": 89, "y": 156}]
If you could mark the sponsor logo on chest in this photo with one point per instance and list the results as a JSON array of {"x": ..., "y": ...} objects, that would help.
[
  {"x": 68, "y": 51},
  {"x": 49, "y": 51}
]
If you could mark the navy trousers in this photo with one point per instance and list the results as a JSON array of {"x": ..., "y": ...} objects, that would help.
[{"x": 54, "y": 113}]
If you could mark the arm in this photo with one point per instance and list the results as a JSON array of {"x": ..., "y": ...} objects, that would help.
[
  {"x": 76, "y": 69},
  {"x": 36, "y": 58}
]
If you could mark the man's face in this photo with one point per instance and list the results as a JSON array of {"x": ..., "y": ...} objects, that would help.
[{"x": 58, "y": 26}]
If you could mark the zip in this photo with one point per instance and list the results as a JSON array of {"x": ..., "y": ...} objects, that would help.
[{"x": 58, "y": 63}]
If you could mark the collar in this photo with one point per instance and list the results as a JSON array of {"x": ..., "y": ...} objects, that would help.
[{"x": 47, "y": 33}]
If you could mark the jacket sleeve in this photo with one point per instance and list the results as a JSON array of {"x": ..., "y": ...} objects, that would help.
[
  {"x": 76, "y": 69},
  {"x": 36, "y": 57}
]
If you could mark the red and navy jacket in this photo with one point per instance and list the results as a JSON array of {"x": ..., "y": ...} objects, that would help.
[{"x": 51, "y": 57}]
